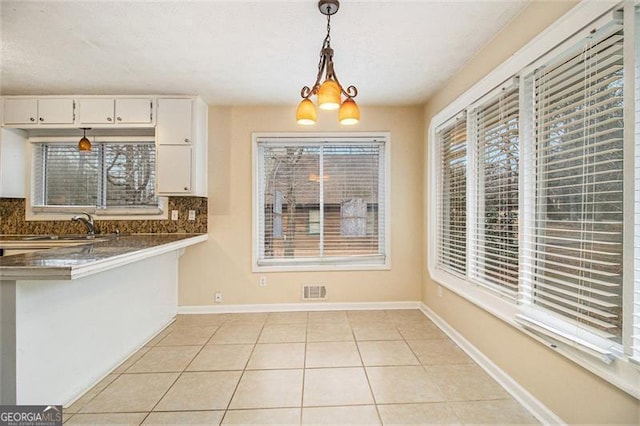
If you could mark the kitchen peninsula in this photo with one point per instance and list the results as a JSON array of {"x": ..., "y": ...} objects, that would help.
[{"x": 70, "y": 315}]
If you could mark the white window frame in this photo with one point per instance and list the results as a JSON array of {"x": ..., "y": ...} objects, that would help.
[
  {"x": 33, "y": 213},
  {"x": 565, "y": 32},
  {"x": 325, "y": 265}
]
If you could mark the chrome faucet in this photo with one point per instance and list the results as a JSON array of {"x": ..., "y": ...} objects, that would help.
[{"x": 88, "y": 222}]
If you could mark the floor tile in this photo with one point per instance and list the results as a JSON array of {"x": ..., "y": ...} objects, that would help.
[
  {"x": 329, "y": 332},
  {"x": 336, "y": 386},
  {"x": 164, "y": 359},
  {"x": 203, "y": 390},
  {"x": 376, "y": 332},
  {"x": 200, "y": 320},
  {"x": 131, "y": 360},
  {"x": 395, "y": 385},
  {"x": 265, "y": 416},
  {"x": 391, "y": 352},
  {"x": 188, "y": 336},
  {"x": 287, "y": 318},
  {"x": 184, "y": 418},
  {"x": 504, "y": 411},
  {"x": 66, "y": 417},
  {"x": 131, "y": 393},
  {"x": 268, "y": 388},
  {"x": 465, "y": 382},
  {"x": 107, "y": 419},
  {"x": 406, "y": 316},
  {"x": 332, "y": 354},
  {"x": 90, "y": 394},
  {"x": 161, "y": 335},
  {"x": 236, "y": 333},
  {"x": 277, "y": 355},
  {"x": 221, "y": 357},
  {"x": 438, "y": 351},
  {"x": 257, "y": 318},
  {"x": 348, "y": 415},
  {"x": 323, "y": 317},
  {"x": 418, "y": 414},
  {"x": 420, "y": 331},
  {"x": 367, "y": 316},
  {"x": 283, "y": 333}
]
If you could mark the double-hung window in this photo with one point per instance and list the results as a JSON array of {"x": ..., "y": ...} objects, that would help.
[
  {"x": 536, "y": 186},
  {"x": 115, "y": 177},
  {"x": 321, "y": 201}
]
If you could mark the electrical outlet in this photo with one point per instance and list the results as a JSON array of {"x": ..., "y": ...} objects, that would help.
[
  {"x": 218, "y": 297},
  {"x": 262, "y": 282},
  {"x": 439, "y": 291},
  {"x": 174, "y": 214},
  {"x": 192, "y": 215}
]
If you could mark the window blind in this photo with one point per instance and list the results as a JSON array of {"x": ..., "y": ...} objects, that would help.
[
  {"x": 494, "y": 260},
  {"x": 329, "y": 193},
  {"x": 111, "y": 175},
  {"x": 575, "y": 260},
  {"x": 452, "y": 197},
  {"x": 635, "y": 327}
]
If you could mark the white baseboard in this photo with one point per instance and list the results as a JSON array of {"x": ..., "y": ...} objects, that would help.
[
  {"x": 520, "y": 394},
  {"x": 291, "y": 307}
]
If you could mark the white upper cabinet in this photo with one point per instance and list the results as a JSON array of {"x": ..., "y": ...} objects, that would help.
[
  {"x": 34, "y": 111},
  {"x": 182, "y": 139},
  {"x": 175, "y": 121},
  {"x": 117, "y": 111}
]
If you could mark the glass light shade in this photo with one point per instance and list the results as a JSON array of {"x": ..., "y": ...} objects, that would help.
[
  {"x": 306, "y": 114},
  {"x": 329, "y": 95},
  {"x": 349, "y": 112},
  {"x": 84, "y": 144}
]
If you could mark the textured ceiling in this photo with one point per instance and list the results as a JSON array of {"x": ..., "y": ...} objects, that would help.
[{"x": 241, "y": 52}]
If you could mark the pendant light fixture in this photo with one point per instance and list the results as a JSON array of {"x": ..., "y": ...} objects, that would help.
[
  {"x": 330, "y": 91},
  {"x": 84, "y": 144}
]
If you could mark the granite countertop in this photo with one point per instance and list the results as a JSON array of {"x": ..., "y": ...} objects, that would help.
[{"x": 67, "y": 263}]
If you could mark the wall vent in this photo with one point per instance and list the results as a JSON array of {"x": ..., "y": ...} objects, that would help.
[{"x": 314, "y": 292}]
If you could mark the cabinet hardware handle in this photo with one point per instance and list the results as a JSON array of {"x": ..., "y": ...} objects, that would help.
[
  {"x": 119, "y": 118},
  {"x": 41, "y": 119},
  {"x": 186, "y": 189},
  {"x": 186, "y": 140},
  {"x": 32, "y": 119},
  {"x": 108, "y": 118}
]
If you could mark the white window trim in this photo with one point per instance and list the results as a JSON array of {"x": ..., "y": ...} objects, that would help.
[
  {"x": 66, "y": 213},
  {"x": 324, "y": 265},
  {"x": 565, "y": 32}
]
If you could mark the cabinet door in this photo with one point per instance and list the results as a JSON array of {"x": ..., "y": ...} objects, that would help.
[
  {"x": 133, "y": 110},
  {"x": 55, "y": 111},
  {"x": 174, "y": 122},
  {"x": 21, "y": 111},
  {"x": 174, "y": 169},
  {"x": 95, "y": 111}
]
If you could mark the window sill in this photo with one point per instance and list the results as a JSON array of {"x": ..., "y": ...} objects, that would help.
[{"x": 321, "y": 267}]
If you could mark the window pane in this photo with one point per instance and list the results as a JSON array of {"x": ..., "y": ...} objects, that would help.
[
  {"x": 327, "y": 199},
  {"x": 577, "y": 255},
  {"x": 291, "y": 190},
  {"x": 350, "y": 190},
  {"x": 130, "y": 174},
  {"x": 69, "y": 177},
  {"x": 497, "y": 147},
  {"x": 452, "y": 198}
]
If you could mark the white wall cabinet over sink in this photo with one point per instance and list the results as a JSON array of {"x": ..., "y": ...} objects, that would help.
[
  {"x": 119, "y": 111},
  {"x": 31, "y": 111},
  {"x": 181, "y": 138}
]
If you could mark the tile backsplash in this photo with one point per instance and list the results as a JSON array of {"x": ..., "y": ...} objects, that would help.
[{"x": 12, "y": 220}]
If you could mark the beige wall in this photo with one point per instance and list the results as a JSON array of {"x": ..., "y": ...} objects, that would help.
[
  {"x": 574, "y": 394},
  {"x": 223, "y": 263}
]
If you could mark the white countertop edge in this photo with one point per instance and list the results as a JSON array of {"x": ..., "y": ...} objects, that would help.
[{"x": 75, "y": 272}]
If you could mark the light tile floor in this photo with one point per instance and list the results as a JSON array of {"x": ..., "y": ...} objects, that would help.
[{"x": 337, "y": 367}]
